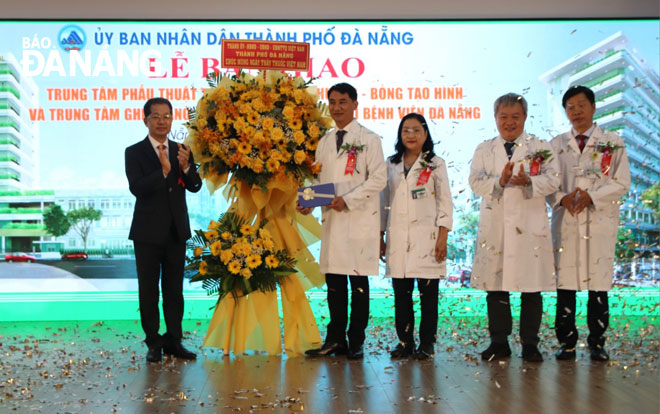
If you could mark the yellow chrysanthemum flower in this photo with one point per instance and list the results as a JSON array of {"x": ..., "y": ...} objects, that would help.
[
  {"x": 314, "y": 131},
  {"x": 287, "y": 111},
  {"x": 246, "y": 273},
  {"x": 299, "y": 137},
  {"x": 198, "y": 251},
  {"x": 267, "y": 123},
  {"x": 276, "y": 134},
  {"x": 203, "y": 268},
  {"x": 272, "y": 165},
  {"x": 312, "y": 144},
  {"x": 268, "y": 244},
  {"x": 299, "y": 157},
  {"x": 216, "y": 247},
  {"x": 247, "y": 230},
  {"x": 240, "y": 124},
  {"x": 252, "y": 118},
  {"x": 234, "y": 267},
  {"x": 253, "y": 261},
  {"x": 246, "y": 249},
  {"x": 271, "y": 261},
  {"x": 244, "y": 148},
  {"x": 226, "y": 256},
  {"x": 258, "y": 244},
  {"x": 211, "y": 235},
  {"x": 213, "y": 225},
  {"x": 236, "y": 248},
  {"x": 226, "y": 236},
  {"x": 257, "y": 165},
  {"x": 265, "y": 234},
  {"x": 296, "y": 123}
]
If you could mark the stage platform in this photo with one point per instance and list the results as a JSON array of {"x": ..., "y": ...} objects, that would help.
[{"x": 99, "y": 367}]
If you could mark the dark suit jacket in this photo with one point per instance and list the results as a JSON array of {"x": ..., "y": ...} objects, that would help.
[{"x": 160, "y": 201}]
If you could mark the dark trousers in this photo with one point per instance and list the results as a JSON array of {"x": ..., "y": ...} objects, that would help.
[
  {"x": 598, "y": 318},
  {"x": 499, "y": 316},
  {"x": 404, "y": 316},
  {"x": 150, "y": 259},
  {"x": 338, "y": 306}
]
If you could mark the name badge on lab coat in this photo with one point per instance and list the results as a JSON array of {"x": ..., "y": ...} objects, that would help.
[{"x": 418, "y": 193}]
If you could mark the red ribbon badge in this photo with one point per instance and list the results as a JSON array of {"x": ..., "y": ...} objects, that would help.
[
  {"x": 534, "y": 168},
  {"x": 605, "y": 163},
  {"x": 350, "y": 164},
  {"x": 424, "y": 176}
]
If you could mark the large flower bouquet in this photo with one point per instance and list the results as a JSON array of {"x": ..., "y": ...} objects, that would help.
[
  {"x": 256, "y": 128},
  {"x": 258, "y": 135},
  {"x": 234, "y": 257}
]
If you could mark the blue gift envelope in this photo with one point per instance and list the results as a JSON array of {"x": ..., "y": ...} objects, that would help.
[{"x": 316, "y": 195}]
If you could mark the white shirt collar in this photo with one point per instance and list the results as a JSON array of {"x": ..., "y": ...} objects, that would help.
[
  {"x": 155, "y": 143},
  {"x": 588, "y": 132}
]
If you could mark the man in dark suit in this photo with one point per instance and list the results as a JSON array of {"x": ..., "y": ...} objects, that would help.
[{"x": 159, "y": 172}]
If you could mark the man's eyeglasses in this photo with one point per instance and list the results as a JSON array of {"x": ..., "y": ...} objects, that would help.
[{"x": 157, "y": 117}]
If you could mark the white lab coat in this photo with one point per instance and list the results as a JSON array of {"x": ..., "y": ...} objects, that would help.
[
  {"x": 514, "y": 246},
  {"x": 584, "y": 244},
  {"x": 350, "y": 239},
  {"x": 412, "y": 223}
]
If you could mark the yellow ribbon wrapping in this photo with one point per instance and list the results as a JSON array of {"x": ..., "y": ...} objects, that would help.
[{"x": 252, "y": 321}]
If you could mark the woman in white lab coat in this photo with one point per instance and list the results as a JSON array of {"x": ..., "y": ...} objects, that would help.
[{"x": 416, "y": 216}]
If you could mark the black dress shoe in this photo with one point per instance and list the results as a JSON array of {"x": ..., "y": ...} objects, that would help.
[
  {"x": 530, "y": 353},
  {"x": 424, "y": 352},
  {"x": 598, "y": 353},
  {"x": 328, "y": 348},
  {"x": 178, "y": 351},
  {"x": 401, "y": 351},
  {"x": 565, "y": 354},
  {"x": 154, "y": 354},
  {"x": 496, "y": 350},
  {"x": 355, "y": 352}
]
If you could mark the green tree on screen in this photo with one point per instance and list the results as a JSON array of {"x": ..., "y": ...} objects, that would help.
[
  {"x": 82, "y": 219},
  {"x": 56, "y": 222}
]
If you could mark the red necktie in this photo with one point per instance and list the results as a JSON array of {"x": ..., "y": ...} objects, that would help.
[{"x": 582, "y": 140}]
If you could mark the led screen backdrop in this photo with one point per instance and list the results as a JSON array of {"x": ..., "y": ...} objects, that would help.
[{"x": 71, "y": 97}]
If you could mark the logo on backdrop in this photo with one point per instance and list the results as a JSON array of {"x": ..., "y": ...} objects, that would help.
[{"x": 71, "y": 37}]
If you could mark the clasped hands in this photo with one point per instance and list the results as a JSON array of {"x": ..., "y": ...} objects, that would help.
[
  {"x": 576, "y": 201},
  {"x": 182, "y": 154},
  {"x": 507, "y": 176}
]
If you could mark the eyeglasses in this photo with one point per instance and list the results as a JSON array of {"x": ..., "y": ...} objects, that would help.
[{"x": 157, "y": 117}]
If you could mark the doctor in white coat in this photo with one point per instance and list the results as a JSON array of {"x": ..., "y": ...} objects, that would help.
[
  {"x": 351, "y": 157},
  {"x": 585, "y": 217},
  {"x": 512, "y": 173},
  {"x": 416, "y": 214}
]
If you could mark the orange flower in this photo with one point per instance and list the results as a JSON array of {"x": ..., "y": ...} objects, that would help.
[
  {"x": 272, "y": 165},
  {"x": 299, "y": 157},
  {"x": 299, "y": 137},
  {"x": 244, "y": 148}
]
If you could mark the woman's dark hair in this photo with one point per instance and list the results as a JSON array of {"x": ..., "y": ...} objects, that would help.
[{"x": 400, "y": 148}]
